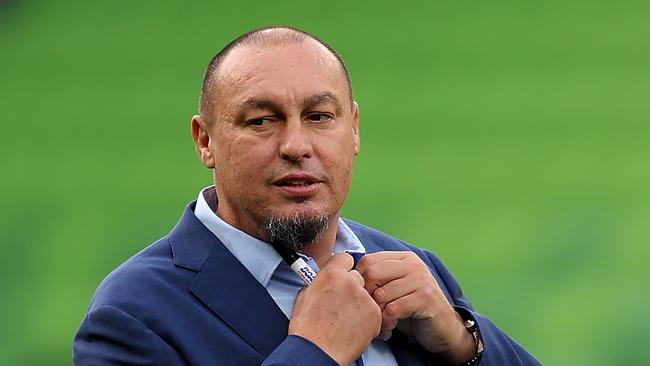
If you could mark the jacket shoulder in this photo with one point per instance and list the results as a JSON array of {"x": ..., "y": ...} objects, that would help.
[
  {"x": 373, "y": 237},
  {"x": 140, "y": 280}
]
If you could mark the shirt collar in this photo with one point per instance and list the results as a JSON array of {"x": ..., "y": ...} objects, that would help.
[{"x": 259, "y": 258}]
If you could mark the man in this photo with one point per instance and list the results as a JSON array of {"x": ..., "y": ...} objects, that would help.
[{"x": 279, "y": 127}]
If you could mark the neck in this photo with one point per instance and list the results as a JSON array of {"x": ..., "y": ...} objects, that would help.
[{"x": 321, "y": 250}]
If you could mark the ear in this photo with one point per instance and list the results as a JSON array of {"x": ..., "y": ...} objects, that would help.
[
  {"x": 201, "y": 139},
  {"x": 355, "y": 128}
]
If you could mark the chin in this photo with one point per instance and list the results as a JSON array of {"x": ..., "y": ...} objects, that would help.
[{"x": 303, "y": 209}]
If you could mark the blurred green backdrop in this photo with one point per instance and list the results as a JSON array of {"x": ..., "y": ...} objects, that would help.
[{"x": 509, "y": 137}]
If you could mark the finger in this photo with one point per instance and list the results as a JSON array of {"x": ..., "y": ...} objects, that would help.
[
  {"x": 373, "y": 258},
  {"x": 393, "y": 290},
  {"x": 342, "y": 261},
  {"x": 358, "y": 277},
  {"x": 385, "y": 335},
  {"x": 387, "y": 326},
  {"x": 409, "y": 306},
  {"x": 380, "y": 273}
]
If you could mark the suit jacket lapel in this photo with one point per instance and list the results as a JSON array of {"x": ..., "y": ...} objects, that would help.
[
  {"x": 226, "y": 287},
  {"x": 232, "y": 293}
]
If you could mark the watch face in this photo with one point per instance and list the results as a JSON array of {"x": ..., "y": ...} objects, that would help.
[{"x": 469, "y": 324}]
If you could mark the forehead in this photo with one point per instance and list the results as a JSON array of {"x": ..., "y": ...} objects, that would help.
[{"x": 287, "y": 72}]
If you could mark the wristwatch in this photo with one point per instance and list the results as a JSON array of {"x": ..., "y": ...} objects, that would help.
[{"x": 472, "y": 327}]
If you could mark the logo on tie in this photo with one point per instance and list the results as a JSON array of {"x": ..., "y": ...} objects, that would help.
[{"x": 308, "y": 274}]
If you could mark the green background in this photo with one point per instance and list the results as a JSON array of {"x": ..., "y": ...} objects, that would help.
[{"x": 510, "y": 137}]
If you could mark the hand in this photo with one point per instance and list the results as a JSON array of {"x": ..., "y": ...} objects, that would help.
[
  {"x": 336, "y": 312},
  {"x": 411, "y": 301}
]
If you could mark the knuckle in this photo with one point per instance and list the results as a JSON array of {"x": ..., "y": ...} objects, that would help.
[
  {"x": 326, "y": 275},
  {"x": 350, "y": 282},
  {"x": 414, "y": 260},
  {"x": 370, "y": 274},
  {"x": 347, "y": 259},
  {"x": 428, "y": 291},
  {"x": 379, "y": 295},
  {"x": 392, "y": 309},
  {"x": 340, "y": 260}
]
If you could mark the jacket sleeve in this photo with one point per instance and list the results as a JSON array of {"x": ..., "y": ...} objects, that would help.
[
  {"x": 499, "y": 348},
  {"x": 296, "y": 350},
  {"x": 109, "y": 336}
]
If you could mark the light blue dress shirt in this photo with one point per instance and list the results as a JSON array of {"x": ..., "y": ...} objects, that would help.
[{"x": 266, "y": 265}]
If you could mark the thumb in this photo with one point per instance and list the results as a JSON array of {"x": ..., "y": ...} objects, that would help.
[{"x": 341, "y": 261}]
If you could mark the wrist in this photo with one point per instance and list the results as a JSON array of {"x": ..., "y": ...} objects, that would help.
[
  {"x": 462, "y": 348},
  {"x": 471, "y": 327}
]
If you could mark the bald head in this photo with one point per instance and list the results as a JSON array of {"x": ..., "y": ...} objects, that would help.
[{"x": 263, "y": 37}]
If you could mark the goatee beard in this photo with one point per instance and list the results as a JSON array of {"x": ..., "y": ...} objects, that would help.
[{"x": 296, "y": 232}]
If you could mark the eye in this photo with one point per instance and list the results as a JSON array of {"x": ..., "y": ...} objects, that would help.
[
  {"x": 319, "y": 117},
  {"x": 258, "y": 121}
]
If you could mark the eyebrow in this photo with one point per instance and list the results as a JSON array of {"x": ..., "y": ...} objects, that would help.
[
  {"x": 261, "y": 104},
  {"x": 308, "y": 102},
  {"x": 322, "y": 98}
]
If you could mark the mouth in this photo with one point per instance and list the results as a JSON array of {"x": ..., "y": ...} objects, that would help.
[
  {"x": 298, "y": 184},
  {"x": 293, "y": 180}
]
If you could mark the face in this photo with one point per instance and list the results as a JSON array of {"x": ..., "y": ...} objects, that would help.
[{"x": 281, "y": 135}]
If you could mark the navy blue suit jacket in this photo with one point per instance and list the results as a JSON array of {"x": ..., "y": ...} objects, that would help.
[{"x": 186, "y": 300}]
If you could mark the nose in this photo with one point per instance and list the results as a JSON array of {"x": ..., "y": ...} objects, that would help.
[{"x": 295, "y": 143}]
